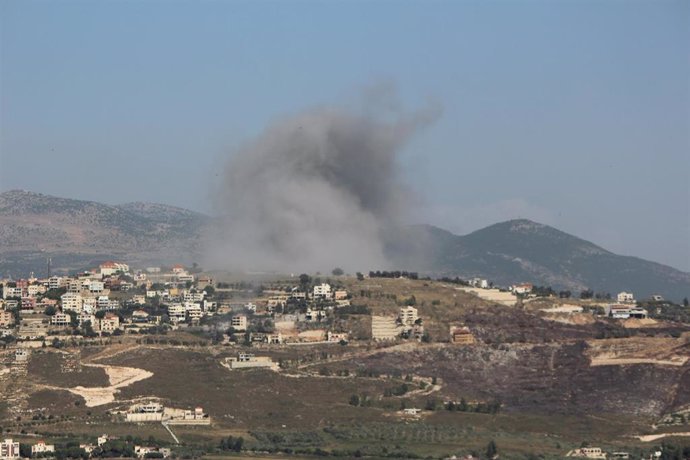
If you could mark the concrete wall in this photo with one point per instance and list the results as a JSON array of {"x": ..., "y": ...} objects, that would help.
[{"x": 145, "y": 417}]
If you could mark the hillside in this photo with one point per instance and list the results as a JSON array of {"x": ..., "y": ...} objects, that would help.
[
  {"x": 522, "y": 250},
  {"x": 75, "y": 232},
  {"x": 529, "y": 381}
]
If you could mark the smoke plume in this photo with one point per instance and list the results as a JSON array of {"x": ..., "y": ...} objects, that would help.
[{"x": 314, "y": 191}]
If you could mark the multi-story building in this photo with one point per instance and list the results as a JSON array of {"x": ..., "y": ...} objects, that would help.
[
  {"x": 35, "y": 289},
  {"x": 9, "y": 449},
  {"x": 96, "y": 286},
  {"x": 384, "y": 328},
  {"x": 109, "y": 323},
  {"x": 625, "y": 297},
  {"x": 28, "y": 304},
  {"x": 176, "y": 312},
  {"x": 322, "y": 291},
  {"x": 74, "y": 286},
  {"x": 408, "y": 315},
  {"x": 55, "y": 282},
  {"x": 71, "y": 301},
  {"x": 6, "y": 318},
  {"x": 11, "y": 292},
  {"x": 193, "y": 296},
  {"x": 239, "y": 322},
  {"x": 193, "y": 311},
  {"x": 138, "y": 299},
  {"x": 479, "y": 283},
  {"x": 60, "y": 319},
  {"x": 84, "y": 317}
]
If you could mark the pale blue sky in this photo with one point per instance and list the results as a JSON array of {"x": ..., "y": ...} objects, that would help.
[{"x": 572, "y": 113}]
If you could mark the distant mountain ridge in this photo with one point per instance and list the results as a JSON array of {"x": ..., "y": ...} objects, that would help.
[
  {"x": 161, "y": 212},
  {"x": 34, "y": 226},
  {"x": 75, "y": 233},
  {"x": 523, "y": 250}
]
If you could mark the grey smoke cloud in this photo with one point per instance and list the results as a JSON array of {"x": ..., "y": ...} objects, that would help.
[{"x": 314, "y": 191}]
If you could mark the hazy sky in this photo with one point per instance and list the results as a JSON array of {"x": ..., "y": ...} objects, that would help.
[{"x": 571, "y": 113}]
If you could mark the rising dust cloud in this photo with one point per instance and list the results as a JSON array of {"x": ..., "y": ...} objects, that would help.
[{"x": 314, "y": 191}]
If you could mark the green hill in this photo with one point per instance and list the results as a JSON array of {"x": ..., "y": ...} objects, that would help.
[{"x": 522, "y": 250}]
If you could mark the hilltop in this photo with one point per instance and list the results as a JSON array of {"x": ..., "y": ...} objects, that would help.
[
  {"x": 34, "y": 226},
  {"x": 523, "y": 250}
]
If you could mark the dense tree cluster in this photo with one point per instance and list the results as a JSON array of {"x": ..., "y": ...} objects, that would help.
[
  {"x": 231, "y": 444},
  {"x": 394, "y": 274},
  {"x": 492, "y": 407}
]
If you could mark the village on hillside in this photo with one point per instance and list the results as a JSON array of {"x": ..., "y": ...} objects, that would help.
[
  {"x": 112, "y": 300},
  {"x": 261, "y": 324}
]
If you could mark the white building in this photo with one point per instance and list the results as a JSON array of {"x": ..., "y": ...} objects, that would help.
[
  {"x": 587, "y": 452},
  {"x": 408, "y": 315},
  {"x": 239, "y": 323},
  {"x": 185, "y": 277},
  {"x": 298, "y": 295},
  {"x": 8, "y": 292},
  {"x": 138, "y": 299},
  {"x": 71, "y": 301},
  {"x": 96, "y": 286},
  {"x": 34, "y": 289},
  {"x": 248, "y": 361},
  {"x": 314, "y": 315},
  {"x": 322, "y": 291},
  {"x": 55, "y": 282},
  {"x": 337, "y": 336},
  {"x": 21, "y": 354},
  {"x": 479, "y": 283},
  {"x": 194, "y": 296},
  {"x": 9, "y": 449},
  {"x": 176, "y": 312},
  {"x": 110, "y": 268},
  {"x": 84, "y": 317},
  {"x": 193, "y": 311},
  {"x": 625, "y": 297},
  {"x": 41, "y": 447},
  {"x": 60, "y": 319},
  {"x": 109, "y": 323},
  {"x": 625, "y": 311},
  {"x": 524, "y": 288},
  {"x": 74, "y": 286},
  {"x": 103, "y": 302}
]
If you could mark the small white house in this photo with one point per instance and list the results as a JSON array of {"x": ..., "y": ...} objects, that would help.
[
  {"x": 625, "y": 297},
  {"x": 41, "y": 447}
]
